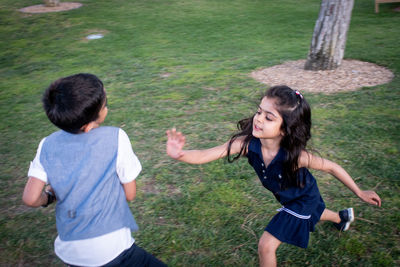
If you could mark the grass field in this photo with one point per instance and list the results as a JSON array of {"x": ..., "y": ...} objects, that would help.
[{"x": 187, "y": 64}]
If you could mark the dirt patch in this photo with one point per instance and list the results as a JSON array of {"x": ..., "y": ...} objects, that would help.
[
  {"x": 64, "y": 6},
  {"x": 165, "y": 74},
  {"x": 350, "y": 76},
  {"x": 150, "y": 188}
]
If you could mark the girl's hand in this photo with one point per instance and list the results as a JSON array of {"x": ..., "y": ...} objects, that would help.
[
  {"x": 175, "y": 143},
  {"x": 370, "y": 197}
]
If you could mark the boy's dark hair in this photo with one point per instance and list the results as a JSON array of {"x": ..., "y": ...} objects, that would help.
[
  {"x": 296, "y": 126},
  {"x": 74, "y": 101}
]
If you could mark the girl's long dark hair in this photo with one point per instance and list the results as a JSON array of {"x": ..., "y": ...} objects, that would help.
[{"x": 296, "y": 126}]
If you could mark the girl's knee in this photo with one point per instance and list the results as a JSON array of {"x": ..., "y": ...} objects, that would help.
[
  {"x": 268, "y": 244},
  {"x": 265, "y": 248}
]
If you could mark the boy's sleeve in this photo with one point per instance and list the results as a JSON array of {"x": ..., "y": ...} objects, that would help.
[
  {"x": 128, "y": 165},
  {"x": 36, "y": 169}
]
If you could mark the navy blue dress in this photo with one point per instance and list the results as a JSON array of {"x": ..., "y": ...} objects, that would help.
[{"x": 302, "y": 207}]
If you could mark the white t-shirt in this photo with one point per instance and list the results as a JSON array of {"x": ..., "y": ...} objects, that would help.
[{"x": 102, "y": 249}]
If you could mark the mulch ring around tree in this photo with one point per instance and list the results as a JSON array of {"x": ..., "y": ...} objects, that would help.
[
  {"x": 64, "y": 6},
  {"x": 349, "y": 76}
]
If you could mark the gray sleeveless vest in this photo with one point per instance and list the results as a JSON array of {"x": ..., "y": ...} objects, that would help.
[{"x": 81, "y": 168}]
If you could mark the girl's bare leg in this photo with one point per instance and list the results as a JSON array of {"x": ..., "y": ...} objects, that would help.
[
  {"x": 329, "y": 215},
  {"x": 267, "y": 250}
]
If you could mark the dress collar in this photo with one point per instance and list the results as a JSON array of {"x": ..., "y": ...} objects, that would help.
[{"x": 255, "y": 147}]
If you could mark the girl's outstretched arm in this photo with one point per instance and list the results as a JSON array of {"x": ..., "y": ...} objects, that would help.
[
  {"x": 176, "y": 141},
  {"x": 317, "y": 163}
]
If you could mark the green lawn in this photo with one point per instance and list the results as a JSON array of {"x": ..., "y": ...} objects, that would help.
[{"x": 187, "y": 64}]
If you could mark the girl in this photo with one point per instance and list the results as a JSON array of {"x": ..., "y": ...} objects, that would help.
[{"x": 274, "y": 140}]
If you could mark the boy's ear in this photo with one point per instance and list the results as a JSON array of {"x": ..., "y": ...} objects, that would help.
[{"x": 87, "y": 127}]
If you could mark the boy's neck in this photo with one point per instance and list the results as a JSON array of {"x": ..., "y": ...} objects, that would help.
[{"x": 90, "y": 126}]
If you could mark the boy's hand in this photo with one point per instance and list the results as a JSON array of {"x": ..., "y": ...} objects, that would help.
[
  {"x": 49, "y": 189},
  {"x": 51, "y": 196},
  {"x": 175, "y": 143},
  {"x": 370, "y": 197}
]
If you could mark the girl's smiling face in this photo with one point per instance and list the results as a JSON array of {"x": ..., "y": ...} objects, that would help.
[{"x": 267, "y": 121}]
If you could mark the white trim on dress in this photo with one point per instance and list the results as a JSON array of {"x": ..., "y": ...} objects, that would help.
[{"x": 304, "y": 217}]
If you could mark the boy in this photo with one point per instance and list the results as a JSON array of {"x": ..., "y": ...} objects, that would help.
[{"x": 91, "y": 171}]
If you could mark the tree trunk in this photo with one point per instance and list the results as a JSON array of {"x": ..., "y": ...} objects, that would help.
[
  {"x": 330, "y": 33},
  {"x": 51, "y": 3}
]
